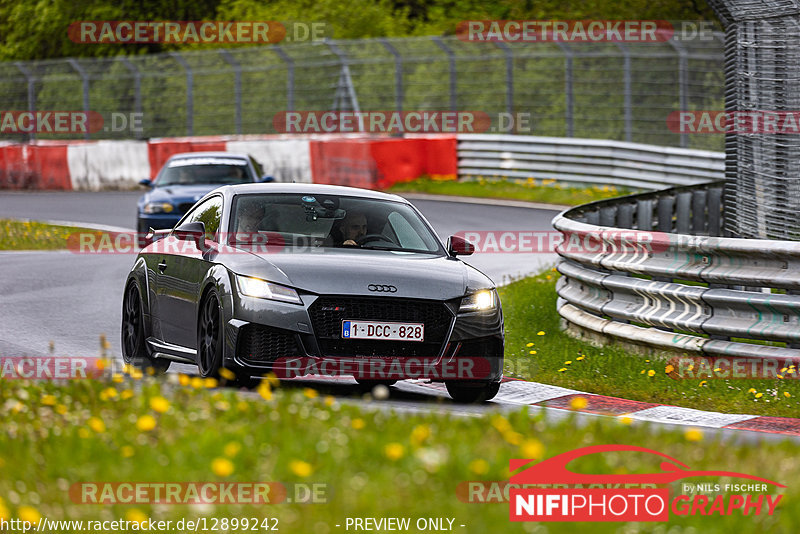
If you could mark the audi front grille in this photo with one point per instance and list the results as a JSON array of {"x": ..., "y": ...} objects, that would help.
[{"x": 327, "y": 314}]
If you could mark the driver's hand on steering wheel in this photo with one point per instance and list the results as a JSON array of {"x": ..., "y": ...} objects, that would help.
[{"x": 350, "y": 243}]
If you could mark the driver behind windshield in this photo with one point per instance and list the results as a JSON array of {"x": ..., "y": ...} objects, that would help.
[{"x": 353, "y": 227}]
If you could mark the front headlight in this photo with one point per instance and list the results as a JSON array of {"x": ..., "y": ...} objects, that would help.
[
  {"x": 480, "y": 301},
  {"x": 255, "y": 287},
  {"x": 158, "y": 207}
]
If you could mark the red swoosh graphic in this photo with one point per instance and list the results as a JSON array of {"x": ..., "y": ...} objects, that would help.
[{"x": 554, "y": 470}]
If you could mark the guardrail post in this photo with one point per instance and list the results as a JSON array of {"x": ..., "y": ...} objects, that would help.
[
  {"x": 452, "y": 63},
  {"x": 509, "y": 77},
  {"x": 398, "y": 73},
  {"x": 664, "y": 212},
  {"x": 189, "y": 92},
  {"x": 137, "y": 88},
  {"x": 714, "y": 208},
  {"x": 31, "y": 92},
  {"x": 644, "y": 215},
  {"x": 699, "y": 218},
  {"x": 289, "y": 76},
  {"x": 682, "y": 208},
  {"x": 627, "y": 91},
  {"x": 237, "y": 86},
  {"x": 683, "y": 83},
  {"x": 569, "y": 104},
  {"x": 85, "y": 84}
]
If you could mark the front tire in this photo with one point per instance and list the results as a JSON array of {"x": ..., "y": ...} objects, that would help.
[
  {"x": 134, "y": 347},
  {"x": 210, "y": 338},
  {"x": 470, "y": 392}
]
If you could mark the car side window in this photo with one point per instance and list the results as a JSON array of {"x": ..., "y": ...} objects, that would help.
[
  {"x": 208, "y": 213},
  {"x": 407, "y": 236}
]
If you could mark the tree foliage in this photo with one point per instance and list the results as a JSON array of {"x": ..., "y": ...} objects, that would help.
[{"x": 37, "y": 29}]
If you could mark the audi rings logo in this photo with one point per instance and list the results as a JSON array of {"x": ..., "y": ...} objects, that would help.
[{"x": 382, "y": 288}]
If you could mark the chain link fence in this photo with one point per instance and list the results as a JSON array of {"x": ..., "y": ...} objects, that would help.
[{"x": 604, "y": 90}]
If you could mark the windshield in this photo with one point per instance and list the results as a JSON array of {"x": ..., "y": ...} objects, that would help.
[
  {"x": 205, "y": 171},
  {"x": 307, "y": 222}
]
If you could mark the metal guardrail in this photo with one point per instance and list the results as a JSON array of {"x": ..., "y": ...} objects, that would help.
[
  {"x": 582, "y": 162},
  {"x": 651, "y": 269}
]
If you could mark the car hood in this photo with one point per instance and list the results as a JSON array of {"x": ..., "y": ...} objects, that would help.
[
  {"x": 178, "y": 193},
  {"x": 352, "y": 272}
]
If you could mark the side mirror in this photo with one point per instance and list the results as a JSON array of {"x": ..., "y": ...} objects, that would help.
[
  {"x": 195, "y": 231},
  {"x": 458, "y": 246},
  {"x": 267, "y": 179},
  {"x": 146, "y": 182}
]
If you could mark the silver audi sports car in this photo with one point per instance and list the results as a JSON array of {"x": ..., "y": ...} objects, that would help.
[{"x": 312, "y": 280}]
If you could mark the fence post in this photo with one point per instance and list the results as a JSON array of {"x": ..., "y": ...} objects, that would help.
[
  {"x": 683, "y": 83},
  {"x": 626, "y": 53},
  {"x": 509, "y": 77},
  {"x": 569, "y": 116},
  {"x": 345, "y": 82},
  {"x": 398, "y": 73},
  {"x": 31, "y": 92},
  {"x": 189, "y": 92},
  {"x": 85, "y": 83},
  {"x": 237, "y": 86},
  {"x": 137, "y": 87},
  {"x": 289, "y": 76},
  {"x": 452, "y": 60}
]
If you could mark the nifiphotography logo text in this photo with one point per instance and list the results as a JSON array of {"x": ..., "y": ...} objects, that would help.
[{"x": 572, "y": 496}]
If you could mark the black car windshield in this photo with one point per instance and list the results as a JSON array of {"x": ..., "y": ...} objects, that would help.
[
  {"x": 307, "y": 222},
  {"x": 204, "y": 171}
]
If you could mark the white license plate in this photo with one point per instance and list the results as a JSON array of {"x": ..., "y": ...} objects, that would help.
[{"x": 383, "y": 330}]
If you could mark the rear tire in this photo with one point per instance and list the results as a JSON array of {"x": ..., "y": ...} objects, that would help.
[
  {"x": 134, "y": 347},
  {"x": 210, "y": 338},
  {"x": 471, "y": 392}
]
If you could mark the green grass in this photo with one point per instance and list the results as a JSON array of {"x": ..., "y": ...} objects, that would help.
[
  {"x": 373, "y": 463},
  {"x": 545, "y": 191},
  {"x": 20, "y": 235},
  {"x": 529, "y": 306}
]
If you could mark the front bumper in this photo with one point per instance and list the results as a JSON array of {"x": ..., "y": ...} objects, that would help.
[{"x": 293, "y": 341}]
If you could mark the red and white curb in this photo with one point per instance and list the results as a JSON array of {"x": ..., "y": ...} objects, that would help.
[{"x": 520, "y": 392}]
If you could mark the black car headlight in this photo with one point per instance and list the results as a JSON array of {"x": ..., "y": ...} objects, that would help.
[
  {"x": 158, "y": 207},
  {"x": 258, "y": 288},
  {"x": 485, "y": 300}
]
